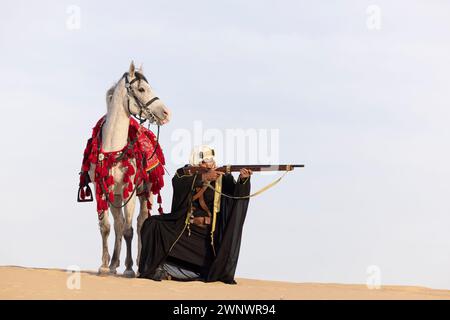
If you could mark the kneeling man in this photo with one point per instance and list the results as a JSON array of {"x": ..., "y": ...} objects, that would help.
[{"x": 201, "y": 237}]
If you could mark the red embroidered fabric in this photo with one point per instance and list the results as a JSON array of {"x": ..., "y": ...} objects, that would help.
[{"x": 140, "y": 149}]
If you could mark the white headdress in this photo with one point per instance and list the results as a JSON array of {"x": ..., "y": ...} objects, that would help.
[{"x": 201, "y": 153}]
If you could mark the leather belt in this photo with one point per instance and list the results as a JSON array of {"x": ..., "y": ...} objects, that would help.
[{"x": 201, "y": 221}]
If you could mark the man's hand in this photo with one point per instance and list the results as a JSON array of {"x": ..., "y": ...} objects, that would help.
[
  {"x": 211, "y": 175},
  {"x": 245, "y": 173}
]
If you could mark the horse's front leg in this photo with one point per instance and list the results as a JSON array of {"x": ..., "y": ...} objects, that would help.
[
  {"x": 104, "y": 231},
  {"x": 105, "y": 228},
  {"x": 116, "y": 211},
  {"x": 143, "y": 215},
  {"x": 128, "y": 235}
]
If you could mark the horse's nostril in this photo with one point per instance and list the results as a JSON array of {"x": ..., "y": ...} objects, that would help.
[{"x": 165, "y": 113}]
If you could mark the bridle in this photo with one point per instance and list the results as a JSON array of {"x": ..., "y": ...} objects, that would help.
[{"x": 143, "y": 107}]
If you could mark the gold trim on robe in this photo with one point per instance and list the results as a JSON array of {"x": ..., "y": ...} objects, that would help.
[{"x": 216, "y": 208}]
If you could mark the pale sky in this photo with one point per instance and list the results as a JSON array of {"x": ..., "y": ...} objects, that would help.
[{"x": 365, "y": 110}]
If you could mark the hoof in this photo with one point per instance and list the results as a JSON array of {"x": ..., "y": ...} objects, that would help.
[
  {"x": 129, "y": 274},
  {"x": 103, "y": 270},
  {"x": 112, "y": 270}
]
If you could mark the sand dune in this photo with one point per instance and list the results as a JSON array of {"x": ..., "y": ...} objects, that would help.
[{"x": 32, "y": 283}]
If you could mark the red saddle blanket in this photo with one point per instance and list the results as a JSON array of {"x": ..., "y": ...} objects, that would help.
[{"x": 141, "y": 147}]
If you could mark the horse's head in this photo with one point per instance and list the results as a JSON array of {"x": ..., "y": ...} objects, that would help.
[{"x": 142, "y": 102}]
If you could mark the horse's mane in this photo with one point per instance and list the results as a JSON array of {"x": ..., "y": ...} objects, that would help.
[{"x": 110, "y": 93}]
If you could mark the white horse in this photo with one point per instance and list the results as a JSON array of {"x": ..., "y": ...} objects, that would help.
[{"x": 126, "y": 97}]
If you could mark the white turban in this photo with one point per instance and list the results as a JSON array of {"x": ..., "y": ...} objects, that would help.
[{"x": 201, "y": 153}]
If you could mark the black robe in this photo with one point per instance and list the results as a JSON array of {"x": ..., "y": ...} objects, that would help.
[{"x": 167, "y": 237}]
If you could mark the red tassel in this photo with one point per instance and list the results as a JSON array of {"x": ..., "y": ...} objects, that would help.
[
  {"x": 160, "y": 210},
  {"x": 110, "y": 161},
  {"x": 159, "y": 198},
  {"x": 82, "y": 195},
  {"x": 125, "y": 194},
  {"x": 104, "y": 205},
  {"x": 105, "y": 187},
  {"x": 110, "y": 181},
  {"x": 130, "y": 187},
  {"x": 98, "y": 190},
  {"x": 88, "y": 192}
]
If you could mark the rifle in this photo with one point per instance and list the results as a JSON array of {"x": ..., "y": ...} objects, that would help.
[{"x": 236, "y": 168}]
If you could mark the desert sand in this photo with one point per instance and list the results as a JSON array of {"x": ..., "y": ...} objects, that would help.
[{"x": 34, "y": 283}]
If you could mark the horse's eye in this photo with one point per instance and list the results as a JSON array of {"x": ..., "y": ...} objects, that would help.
[{"x": 141, "y": 90}]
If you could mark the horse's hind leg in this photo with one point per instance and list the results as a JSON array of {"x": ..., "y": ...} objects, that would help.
[
  {"x": 128, "y": 235},
  {"x": 104, "y": 231},
  {"x": 118, "y": 230}
]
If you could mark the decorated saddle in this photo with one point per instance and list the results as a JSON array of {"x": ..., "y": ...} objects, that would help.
[{"x": 142, "y": 148}]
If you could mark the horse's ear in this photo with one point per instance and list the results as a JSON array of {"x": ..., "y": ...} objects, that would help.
[
  {"x": 141, "y": 69},
  {"x": 132, "y": 69}
]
